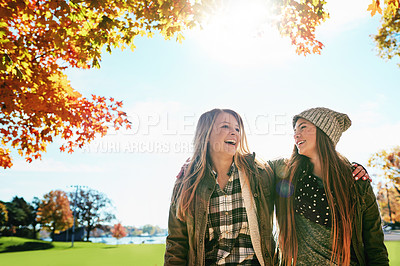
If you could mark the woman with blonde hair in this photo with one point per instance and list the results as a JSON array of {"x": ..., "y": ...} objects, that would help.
[
  {"x": 324, "y": 216},
  {"x": 221, "y": 208}
]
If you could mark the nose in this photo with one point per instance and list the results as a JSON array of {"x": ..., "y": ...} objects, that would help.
[
  {"x": 295, "y": 135},
  {"x": 233, "y": 132}
]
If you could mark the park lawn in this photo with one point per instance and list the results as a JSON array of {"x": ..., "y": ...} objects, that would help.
[
  {"x": 81, "y": 254},
  {"x": 393, "y": 248},
  {"x": 59, "y": 254}
]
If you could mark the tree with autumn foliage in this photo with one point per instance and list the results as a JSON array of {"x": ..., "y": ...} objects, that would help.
[
  {"x": 299, "y": 20},
  {"x": 54, "y": 212},
  {"x": 388, "y": 37},
  {"x": 388, "y": 163},
  {"x": 389, "y": 202},
  {"x": 40, "y": 39},
  {"x": 118, "y": 231},
  {"x": 3, "y": 215},
  {"x": 93, "y": 208}
]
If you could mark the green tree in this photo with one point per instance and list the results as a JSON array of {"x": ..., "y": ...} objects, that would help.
[
  {"x": 93, "y": 208},
  {"x": 150, "y": 229},
  {"x": 33, "y": 215},
  {"x": 18, "y": 212},
  {"x": 22, "y": 216}
]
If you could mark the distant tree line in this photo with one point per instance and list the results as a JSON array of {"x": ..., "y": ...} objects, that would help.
[
  {"x": 149, "y": 229},
  {"x": 54, "y": 213}
]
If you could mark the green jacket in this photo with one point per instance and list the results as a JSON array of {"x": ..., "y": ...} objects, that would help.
[
  {"x": 185, "y": 240},
  {"x": 367, "y": 238}
]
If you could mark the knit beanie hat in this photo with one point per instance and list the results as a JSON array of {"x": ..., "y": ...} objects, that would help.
[{"x": 332, "y": 123}]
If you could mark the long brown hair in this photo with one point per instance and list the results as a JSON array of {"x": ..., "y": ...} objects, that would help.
[
  {"x": 338, "y": 182},
  {"x": 198, "y": 164}
]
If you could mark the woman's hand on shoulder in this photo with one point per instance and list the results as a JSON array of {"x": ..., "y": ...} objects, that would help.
[{"x": 360, "y": 172}]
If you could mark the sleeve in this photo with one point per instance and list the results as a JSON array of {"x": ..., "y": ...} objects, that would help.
[
  {"x": 177, "y": 244},
  {"x": 374, "y": 247},
  {"x": 278, "y": 166}
]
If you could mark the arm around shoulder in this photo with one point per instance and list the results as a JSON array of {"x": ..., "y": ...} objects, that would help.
[{"x": 278, "y": 166}]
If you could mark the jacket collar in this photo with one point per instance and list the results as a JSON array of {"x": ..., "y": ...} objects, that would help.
[{"x": 232, "y": 169}]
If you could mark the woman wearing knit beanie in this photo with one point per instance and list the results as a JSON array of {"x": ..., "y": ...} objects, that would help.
[
  {"x": 222, "y": 206},
  {"x": 324, "y": 215}
]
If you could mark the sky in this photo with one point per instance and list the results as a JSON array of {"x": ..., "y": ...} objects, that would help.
[{"x": 165, "y": 87}]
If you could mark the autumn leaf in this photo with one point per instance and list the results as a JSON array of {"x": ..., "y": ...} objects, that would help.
[
  {"x": 316, "y": 50},
  {"x": 180, "y": 38},
  {"x": 374, "y": 7},
  {"x": 119, "y": 120}
]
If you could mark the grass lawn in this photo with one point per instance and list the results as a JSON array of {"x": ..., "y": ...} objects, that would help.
[
  {"x": 59, "y": 254},
  {"x": 393, "y": 248},
  {"x": 13, "y": 251}
]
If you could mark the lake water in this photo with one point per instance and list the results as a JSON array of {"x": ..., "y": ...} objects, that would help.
[
  {"x": 126, "y": 240},
  {"x": 129, "y": 240}
]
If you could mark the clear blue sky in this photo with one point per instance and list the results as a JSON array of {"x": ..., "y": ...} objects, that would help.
[{"x": 166, "y": 86}]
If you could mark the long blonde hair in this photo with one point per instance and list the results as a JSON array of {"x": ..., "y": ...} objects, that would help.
[
  {"x": 338, "y": 181},
  {"x": 198, "y": 164}
]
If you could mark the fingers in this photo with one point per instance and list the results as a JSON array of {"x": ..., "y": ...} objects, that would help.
[
  {"x": 358, "y": 172},
  {"x": 367, "y": 177}
]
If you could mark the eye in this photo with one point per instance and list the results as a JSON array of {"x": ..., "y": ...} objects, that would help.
[
  {"x": 225, "y": 126},
  {"x": 237, "y": 129},
  {"x": 302, "y": 127}
]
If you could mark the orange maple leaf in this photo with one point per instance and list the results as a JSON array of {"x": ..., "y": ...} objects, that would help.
[
  {"x": 119, "y": 120},
  {"x": 375, "y": 6}
]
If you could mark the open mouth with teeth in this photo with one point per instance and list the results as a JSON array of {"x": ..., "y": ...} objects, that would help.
[
  {"x": 230, "y": 142},
  {"x": 300, "y": 142}
]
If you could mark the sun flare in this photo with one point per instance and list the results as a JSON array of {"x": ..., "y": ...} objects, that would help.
[{"x": 243, "y": 33}]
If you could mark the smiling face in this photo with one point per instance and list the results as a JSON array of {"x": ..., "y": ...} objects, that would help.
[
  {"x": 305, "y": 137},
  {"x": 225, "y": 135}
]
